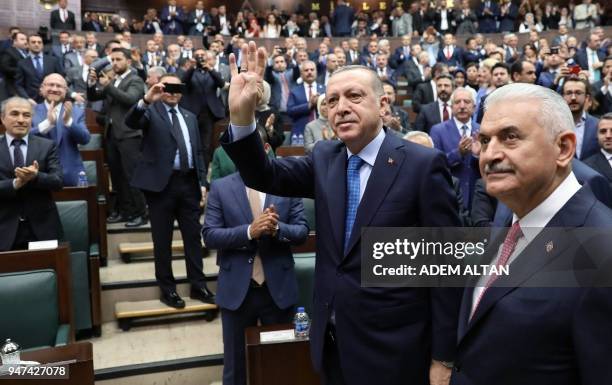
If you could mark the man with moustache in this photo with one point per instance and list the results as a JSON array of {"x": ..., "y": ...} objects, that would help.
[{"x": 440, "y": 110}]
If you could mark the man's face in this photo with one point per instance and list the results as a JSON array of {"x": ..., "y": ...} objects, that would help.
[
  {"x": 151, "y": 46},
  {"x": 345, "y": 45},
  {"x": 518, "y": 159},
  {"x": 607, "y": 68},
  {"x": 280, "y": 64},
  {"x": 152, "y": 78},
  {"x": 17, "y": 118},
  {"x": 372, "y": 47},
  {"x": 300, "y": 44},
  {"x": 119, "y": 62},
  {"x": 444, "y": 87},
  {"x": 323, "y": 49},
  {"x": 168, "y": 98},
  {"x": 91, "y": 39},
  {"x": 308, "y": 72},
  {"x": 188, "y": 44},
  {"x": 341, "y": 59},
  {"x": 62, "y": 3},
  {"x": 172, "y": 2},
  {"x": 381, "y": 61},
  {"x": 351, "y": 104},
  {"x": 463, "y": 105},
  {"x": 21, "y": 41},
  {"x": 390, "y": 93},
  {"x": 200, "y": 5},
  {"x": 158, "y": 38},
  {"x": 415, "y": 50},
  {"x": 575, "y": 96},
  {"x": 332, "y": 62},
  {"x": 78, "y": 43},
  {"x": 604, "y": 134},
  {"x": 354, "y": 44},
  {"x": 35, "y": 44},
  {"x": 406, "y": 41},
  {"x": 562, "y": 29},
  {"x": 127, "y": 36},
  {"x": 513, "y": 41},
  {"x": 594, "y": 41},
  {"x": 471, "y": 44},
  {"x": 301, "y": 56},
  {"x": 53, "y": 89},
  {"x": 174, "y": 51},
  {"x": 214, "y": 46},
  {"x": 180, "y": 40},
  {"x": 533, "y": 36},
  {"x": 90, "y": 56},
  {"x": 449, "y": 39},
  {"x": 472, "y": 74},
  {"x": 423, "y": 58},
  {"x": 222, "y": 10},
  {"x": 64, "y": 38},
  {"x": 528, "y": 75},
  {"x": 500, "y": 77}
]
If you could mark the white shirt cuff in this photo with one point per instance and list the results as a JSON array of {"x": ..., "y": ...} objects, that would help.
[
  {"x": 141, "y": 104},
  {"x": 240, "y": 132},
  {"x": 248, "y": 229},
  {"x": 44, "y": 126}
]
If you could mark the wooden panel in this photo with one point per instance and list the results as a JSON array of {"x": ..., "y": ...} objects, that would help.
[
  {"x": 286, "y": 151},
  {"x": 81, "y": 371}
]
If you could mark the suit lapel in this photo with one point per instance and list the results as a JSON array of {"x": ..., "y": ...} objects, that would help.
[
  {"x": 5, "y": 158},
  {"x": 59, "y": 126},
  {"x": 605, "y": 167},
  {"x": 382, "y": 177},
  {"x": 239, "y": 191},
  {"x": 32, "y": 152},
  {"x": 336, "y": 195}
]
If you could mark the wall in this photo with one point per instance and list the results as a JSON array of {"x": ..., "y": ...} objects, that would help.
[{"x": 31, "y": 14}]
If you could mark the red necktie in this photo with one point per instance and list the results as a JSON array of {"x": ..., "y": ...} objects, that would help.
[
  {"x": 445, "y": 115},
  {"x": 448, "y": 53},
  {"x": 514, "y": 234}
]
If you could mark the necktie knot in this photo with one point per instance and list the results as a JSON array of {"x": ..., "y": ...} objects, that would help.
[
  {"x": 172, "y": 111},
  {"x": 17, "y": 142},
  {"x": 354, "y": 163},
  {"x": 464, "y": 130},
  {"x": 514, "y": 234}
]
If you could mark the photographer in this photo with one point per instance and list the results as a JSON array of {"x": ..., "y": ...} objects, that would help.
[{"x": 202, "y": 82}]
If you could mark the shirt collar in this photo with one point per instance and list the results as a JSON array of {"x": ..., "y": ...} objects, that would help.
[
  {"x": 459, "y": 124},
  {"x": 125, "y": 74},
  {"x": 168, "y": 107},
  {"x": 9, "y": 139},
  {"x": 533, "y": 222},
  {"x": 370, "y": 151},
  {"x": 35, "y": 55},
  {"x": 47, "y": 105},
  {"x": 607, "y": 154}
]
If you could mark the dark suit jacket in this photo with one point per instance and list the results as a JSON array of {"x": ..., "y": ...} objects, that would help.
[
  {"x": 342, "y": 20},
  {"x": 483, "y": 206},
  {"x": 273, "y": 78},
  {"x": 202, "y": 91},
  {"x": 117, "y": 102},
  {"x": 412, "y": 73},
  {"x": 227, "y": 218},
  {"x": 599, "y": 163},
  {"x": 604, "y": 101},
  {"x": 428, "y": 117},
  {"x": 56, "y": 21},
  {"x": 508, "y": 21},
  {"x": 92, "y": 26},
  {"x": 297, "y": 107},
  {"x": 27, "y": 81},
  {"x": 456, "y": 59},
  {"x": 8, "y": 66},
  {"x": 582, "y": 60},
  {"x": 34, "y": 200},
  {"x": 74, "y": 78},
  {"x": 590, "y": 145},
  {"x": 66, "y": 139},
  {"x": 446, "y": 138},
  {"x": 486, "y": 22},
  {"x": 395, "y": 323},
  {"x": 423, "y": 94},
  {"x": 471, "y": 57},
  {"x": 174, "y": 25},
  {"x": 216, "y": 23},
  {"x": 159, "y": 146},
  {"x": 551, "y": 335}
]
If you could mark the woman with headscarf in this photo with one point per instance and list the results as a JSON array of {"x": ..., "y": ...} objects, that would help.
[
  {"x": 266, "y": 117},
  {"x": 318, "y": 129}
]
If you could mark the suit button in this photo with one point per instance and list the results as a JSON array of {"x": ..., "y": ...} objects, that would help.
[{"x": 250, "y": 260}]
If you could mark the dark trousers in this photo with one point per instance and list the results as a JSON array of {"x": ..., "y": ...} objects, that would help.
[
  {"x": 332, "y": 372},
  {"x": 123, "y": 156},
  {"x": 206, "y": 125},
  {"x": 258, "y": 305},
  {"x": 23, "y": 236},
  {"x": 180, "y": 200}
]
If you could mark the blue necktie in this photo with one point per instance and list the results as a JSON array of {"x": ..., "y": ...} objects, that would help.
[
  {"x": 352, "y": 195},
  {"x": 596, "y": 74},
  {"x": 38, "y": 66}
]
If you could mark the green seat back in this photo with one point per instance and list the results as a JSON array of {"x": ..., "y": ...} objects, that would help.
[
  {"x": 304, "y": 270},
  {"x": 309, "y": 213},
  {"x": 95, "y": 143},
  {"x": 73, "y": 215},
  {"x": 30, "y": 308},
  {"x": 287, "y": 140},
  {"x": 91, "y": 171}
]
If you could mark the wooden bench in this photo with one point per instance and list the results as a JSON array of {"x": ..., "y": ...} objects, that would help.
[
  {"x": 92, "y": 123},
  {"x": 101, "y": 169},
  {"x": 128, "y": 312}
]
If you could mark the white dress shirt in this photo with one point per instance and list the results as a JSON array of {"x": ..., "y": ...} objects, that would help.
[
  {"x": 441, "y": 109},
  {"x": 120, "y": 78},
  {"x": 579, "y": 131},
  {"x": 45, "y": 126},
  {"x": 608, "y": 156},
  {"x": 459, "y": 125},
  {"x": 532, "y": 224}
]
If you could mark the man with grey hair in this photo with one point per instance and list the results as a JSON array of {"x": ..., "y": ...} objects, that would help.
[
  {"x": 302, "y": 102},
  {"x": 153, "y": 75},
  {"x": 29, "y": 170},
  {"x": 551, "y": 335},
  {"x": 367, "y": 178}
]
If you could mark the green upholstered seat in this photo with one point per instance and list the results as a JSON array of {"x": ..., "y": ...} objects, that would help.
[
  {"x": 30, "y": 309},
  {"x": 91, "y": 171},
  {"x": 309, "y": 212},
  {"x": 95, "y": 142},
  {"x": 304, "y": 270}
]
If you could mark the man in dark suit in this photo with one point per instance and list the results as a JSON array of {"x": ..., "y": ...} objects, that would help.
[
  {"x": 11, "y": 57},
  {"x": 416, "y": 68},
  {"x": 559, "y": 340},
  {"x": 590, "y": 58},
  {"x": 354, "y": 326},
  {"x": 253, "y": 233},
  {"x": 508, "y": 12},
  {"x": 222, "y": 23},
  {"x": 92, "y": 23},
  {"x": 450, "y": 54},
  {"x": 172, "y": 175},
  {"x": 172, "y": 18},
  {"x": 455, "y": 138},
  {"x": 425, "y": 92},
  {"x": 64, "y": 124},
  {"x": 32, "y": 70},
  {"x": 202, "y": 82},
  {"x": 488, "y": 12},
  {"x": 602, "y": 161},
  {"x": 397, "y": 119},
  {"x": 120, "y": 92},
  {"x": 62, "y": 18},
  {"x": 603, "y": 91},
  {"x": 302, "y": 103},
  {"x": 63, "y": 47},
  {"x": 342, "y": 19},
  {"x": 577, "y": 93},
  {"x": 439, "y": 110},
  {"x": 523, "y": 71},
  {"x": 281, "y": 79},
  {"x": 76, "y": 77},
  {"x": 29, "y": 171}
]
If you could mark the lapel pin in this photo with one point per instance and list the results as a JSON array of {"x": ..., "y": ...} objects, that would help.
[
  {"x": 549, "y": 246},
  {"x": 390, "y": 161}
]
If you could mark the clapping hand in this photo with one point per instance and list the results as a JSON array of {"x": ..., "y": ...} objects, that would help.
[
  {"x": 26, "y": 174},
  {"x": 154, "y": 93},
  {"x": 67, "y": 112},
  {"x": 246, "y": 87}
]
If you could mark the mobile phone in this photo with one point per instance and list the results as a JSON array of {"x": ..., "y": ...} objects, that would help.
[
  {"x": 173, "y": 88},
  {"x": 575, "y": 69},
  {"x": 554, "y": 51}
]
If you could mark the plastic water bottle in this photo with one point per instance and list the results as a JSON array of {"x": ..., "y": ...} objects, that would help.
[
  {"x": 82, "y": 179},
  {"x": 294, "y": 140},
  {"x": 302, "y": 324},
  {"x": 301, "y": 140}
]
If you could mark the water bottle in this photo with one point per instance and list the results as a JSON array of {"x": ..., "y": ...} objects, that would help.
[
  {"x": 301, "y": 140},
  {"x": 82, "y": 179},
  {"x": 294, "y": 140},
  {"x": 302, "y": 324}
]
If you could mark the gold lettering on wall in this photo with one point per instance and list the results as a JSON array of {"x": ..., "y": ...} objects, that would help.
[
  {"x": 382, "y": 5},
  {"x": 365, "y": 6},
  {"x": 315, "y": 6}
]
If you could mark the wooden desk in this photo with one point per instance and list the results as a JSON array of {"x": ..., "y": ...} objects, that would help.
[
  {"x": 278, "y": 363},
  {"x": 80, "y": 372}
]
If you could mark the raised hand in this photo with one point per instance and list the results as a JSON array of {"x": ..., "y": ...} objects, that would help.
[
  {"x": 246, "y": 87},
  {"x": 67, "y": 111},
  {"x": 154, "y": 93}
]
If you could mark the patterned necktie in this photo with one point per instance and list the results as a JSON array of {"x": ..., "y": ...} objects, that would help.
[
  {"x": 180, "y": 141},
  {"x": 38, "y": 65},
  {"x": 464, "y": 130},
  {"x": 445, "y": 115},
  {"x": 352, "y": 195},
  {"x": 514, "y": 234},
  {"x": 17, "y": 154},
  {"x": 255, "y": 203}
]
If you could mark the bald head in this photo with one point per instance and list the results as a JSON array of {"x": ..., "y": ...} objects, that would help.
[{"x": 53, "y": 88}]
